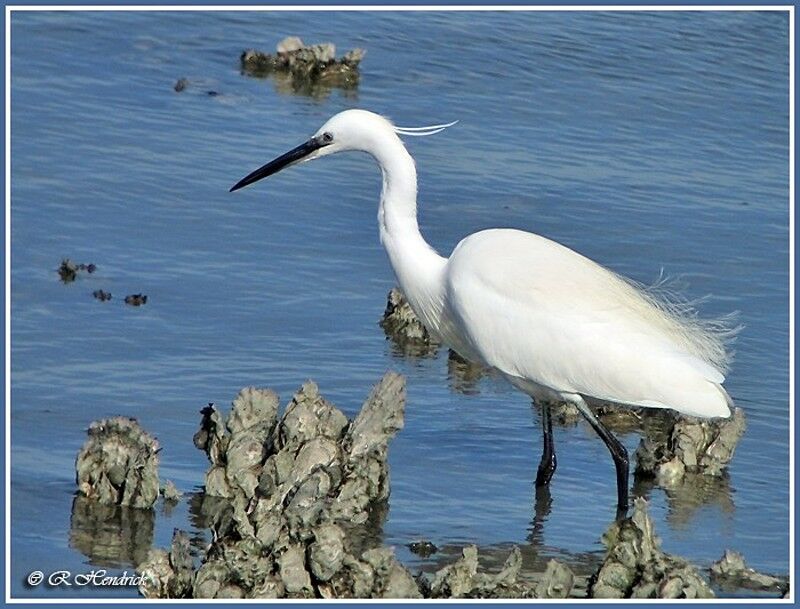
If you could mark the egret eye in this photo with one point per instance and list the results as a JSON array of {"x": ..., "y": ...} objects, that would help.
[{"x": 327, "y": 137}]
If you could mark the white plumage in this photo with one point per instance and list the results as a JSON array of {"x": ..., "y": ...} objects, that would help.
[
  {"x": 556, "y": 324},
  {"x": 540, "y": 312}
]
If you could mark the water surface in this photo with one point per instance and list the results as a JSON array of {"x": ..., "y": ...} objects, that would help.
[{"x": 647, "y": 141}]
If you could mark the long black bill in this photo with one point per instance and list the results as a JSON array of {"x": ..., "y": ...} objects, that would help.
[{"x": 293, "y": 156}]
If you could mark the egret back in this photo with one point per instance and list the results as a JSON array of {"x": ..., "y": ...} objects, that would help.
[{"x": 541, "y": 312}]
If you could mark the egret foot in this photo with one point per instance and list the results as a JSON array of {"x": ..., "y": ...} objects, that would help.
[
  {"x": 547, "y": 466},
  {"x": 618, "y": 452}
]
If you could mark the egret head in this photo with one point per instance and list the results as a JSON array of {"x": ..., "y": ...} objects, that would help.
[{"x": 358, "y": 130}]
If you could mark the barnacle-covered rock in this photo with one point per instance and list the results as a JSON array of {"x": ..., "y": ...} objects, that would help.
[
  {"x": 118, "y": 464},
  {"x": 168, "y": 574},
  {"x": 731, "y": 572},
  {"x": 556, "y": 582},
  {"x": 308, "y": 69},
  {"x": 170, "y": 492},
  {"x": 285, "y": 497},
  {"x": 692, "y": 446},
  {"x": 636, "y": 567},
  {"x": 404, "y": 329},
  {"x": 464, "y": 579}
]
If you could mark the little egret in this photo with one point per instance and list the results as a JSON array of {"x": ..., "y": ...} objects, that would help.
[{"x": 557, "y": 325}]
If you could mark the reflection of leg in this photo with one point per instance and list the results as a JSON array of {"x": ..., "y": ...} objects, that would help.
[
  {"x": 541, "y": 511},
  {"x": 544, "y": 503},
  {"x": 615, "y": 447},
  {"x": 547, "y": 466}
]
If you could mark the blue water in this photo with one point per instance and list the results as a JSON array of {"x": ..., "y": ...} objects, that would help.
[{"x": 646, "y": 141}]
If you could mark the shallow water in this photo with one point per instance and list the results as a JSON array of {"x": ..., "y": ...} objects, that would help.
[{"x": 645, "y": 141}]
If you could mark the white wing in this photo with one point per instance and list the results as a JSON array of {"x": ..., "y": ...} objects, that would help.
[{"x": 539, "y": 311}]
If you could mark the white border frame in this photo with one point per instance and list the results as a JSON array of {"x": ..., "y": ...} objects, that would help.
[{"x": 433, "y": 7}]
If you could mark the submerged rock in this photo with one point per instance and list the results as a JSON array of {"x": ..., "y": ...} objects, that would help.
[
  {"x": 463, "y": 375},
  {"x": 400, "y": 320},
  {"x": 636, "y": 567},
  {"x": 565, "y": 414},
  {"x": 404, "y": 329},
  {"x": 423, "y": 548},
  {"x": 731, "y": 572},
  {"x": 306, "y": 67},
  {"x": 198, "y": 86},
  {"x": 170, "y": 492},
  {"x": 118, "y": 464},
  {"x": 618, "y": 418},
  {"x": 136, "y": 300},
  {"x": 692, "y": 445},
  {"x": 68, "y": 271}
]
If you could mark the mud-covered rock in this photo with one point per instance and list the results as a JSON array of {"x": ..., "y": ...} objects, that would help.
[
  {"x": 636, "y": 567},
  {"x": 118, "y": 464},
  {"x": 731, "y": 572},
  {"x": 692, "y": 445}
]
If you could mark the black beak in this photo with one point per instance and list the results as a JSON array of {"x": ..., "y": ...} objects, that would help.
[{"x": 291, "y": 157}]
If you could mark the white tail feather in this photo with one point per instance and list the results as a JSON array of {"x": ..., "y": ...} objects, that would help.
[{"x": 707, "y": 339}]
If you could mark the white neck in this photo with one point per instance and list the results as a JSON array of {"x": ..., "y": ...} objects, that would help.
[{"x": 419, "y": 269}]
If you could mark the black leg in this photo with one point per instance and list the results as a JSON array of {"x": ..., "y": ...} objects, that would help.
[
  {"x": 618, "y": 453},
  {"x": 547, "y": 466}
]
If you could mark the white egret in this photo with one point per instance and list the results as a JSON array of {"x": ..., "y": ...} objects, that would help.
[{"x": 557, "y": 325}]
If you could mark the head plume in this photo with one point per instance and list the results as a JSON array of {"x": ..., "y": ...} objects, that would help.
[{"x": 422, "y": 131}]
